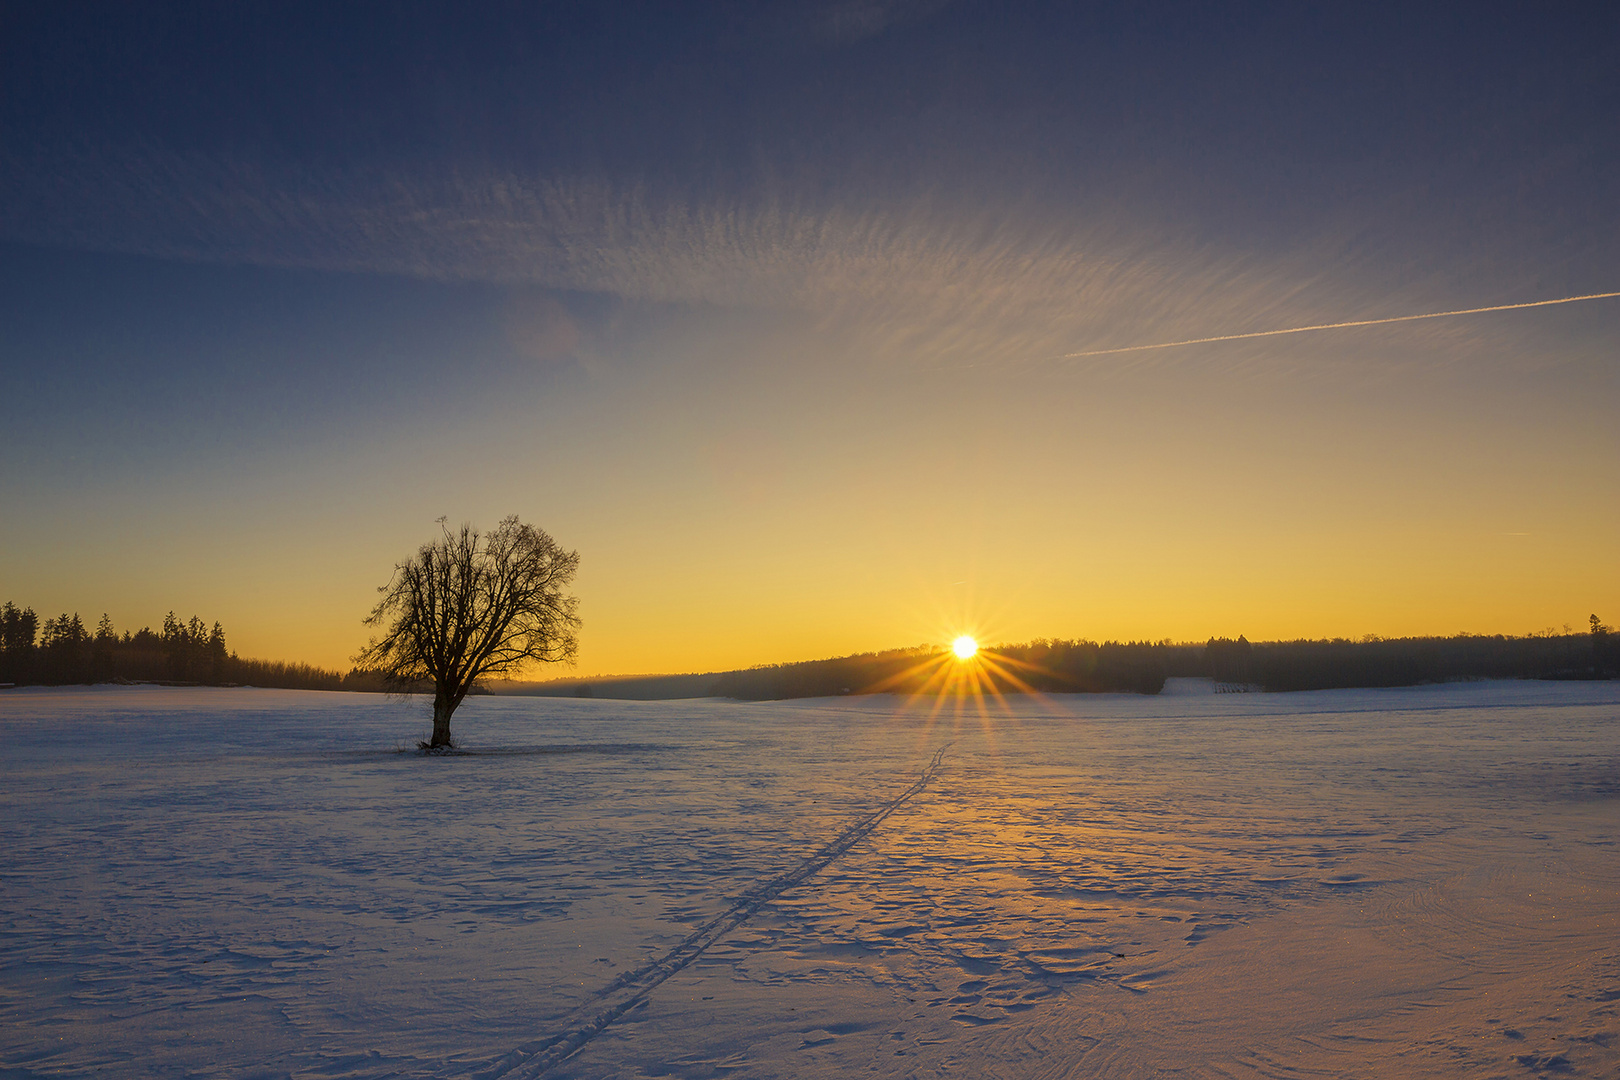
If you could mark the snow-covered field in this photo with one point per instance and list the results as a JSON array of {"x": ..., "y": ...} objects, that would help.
[{"x": 1420, "y": 882}]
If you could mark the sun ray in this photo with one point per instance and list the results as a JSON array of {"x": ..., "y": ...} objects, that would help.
[{"x": 953, "y": 684}]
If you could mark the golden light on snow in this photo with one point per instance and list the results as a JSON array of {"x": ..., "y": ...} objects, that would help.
[{"x": 964, "y": 647}]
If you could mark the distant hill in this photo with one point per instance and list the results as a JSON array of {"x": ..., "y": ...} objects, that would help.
[
  {"x": 622, "y": 687},
  {"x": 1051, "y": 666},
  {"x": 1372, "y": 662},
  {"x": 64, "y": 651},
  {"x": 1059, "y": 666}
]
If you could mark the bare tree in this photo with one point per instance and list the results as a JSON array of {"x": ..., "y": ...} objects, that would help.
[{"x": 470, "y": 605}]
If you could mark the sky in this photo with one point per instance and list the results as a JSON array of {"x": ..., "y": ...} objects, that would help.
[{"x": 768, "y": 310}]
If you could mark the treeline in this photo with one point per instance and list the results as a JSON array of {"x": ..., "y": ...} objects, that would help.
[
  {"x": 1043, "y": 665},
  {"x": 1373, "y": 662},
  {"x": 1048, "y": 666},
  {"x": 617, "y": 687},
  {"x": 1059, "y": 666},
  {"x": 63, "y": 650}
]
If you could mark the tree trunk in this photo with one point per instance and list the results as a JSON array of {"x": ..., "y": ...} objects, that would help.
[{"x": 443, "y": 706}]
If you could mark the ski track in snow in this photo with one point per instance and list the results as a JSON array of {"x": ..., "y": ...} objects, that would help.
[
  {"x": 251, "y": 884},
  {"x": 535, "y": 1059}
]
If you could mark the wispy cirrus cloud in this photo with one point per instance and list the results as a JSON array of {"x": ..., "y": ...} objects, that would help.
[
  {"x": 923, "y": 281},
  {"x": 856, "y": 20}
]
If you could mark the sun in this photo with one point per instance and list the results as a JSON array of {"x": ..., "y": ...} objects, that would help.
[{"x": 964, "y": 647}]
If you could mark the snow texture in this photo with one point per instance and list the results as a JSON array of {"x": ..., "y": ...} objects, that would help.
[{"x": 255, "y": 883}]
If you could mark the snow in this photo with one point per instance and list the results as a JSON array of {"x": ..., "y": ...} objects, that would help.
[{"x": 256, "y": 883}]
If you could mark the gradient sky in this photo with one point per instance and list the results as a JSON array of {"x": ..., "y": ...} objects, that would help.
[{"x": 763, "y": 308}]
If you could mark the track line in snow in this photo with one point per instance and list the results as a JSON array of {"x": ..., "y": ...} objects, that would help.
[{"x": 631, "y": 989}]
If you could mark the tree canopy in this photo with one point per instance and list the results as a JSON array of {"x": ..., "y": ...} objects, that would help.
[{"x": 469, "y": 605}]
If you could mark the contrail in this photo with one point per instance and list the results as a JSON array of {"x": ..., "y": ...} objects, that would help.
[{"x": 1337, "y": 325}]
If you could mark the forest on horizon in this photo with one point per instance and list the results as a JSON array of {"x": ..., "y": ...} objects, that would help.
[
  {"x": 1079, "y": 666},
  {"x": 64, "y": 651}
]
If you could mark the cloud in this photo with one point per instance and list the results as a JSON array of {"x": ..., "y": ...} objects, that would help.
[
  {"x": 856, "y": 20},
  {"x": 923, "y": 281},
  {"x": 830, "y": 23},
  {"x": 539, "y": 327}
]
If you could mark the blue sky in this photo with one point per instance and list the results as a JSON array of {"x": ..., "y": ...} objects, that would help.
[{"x": 763, "y": 308}]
